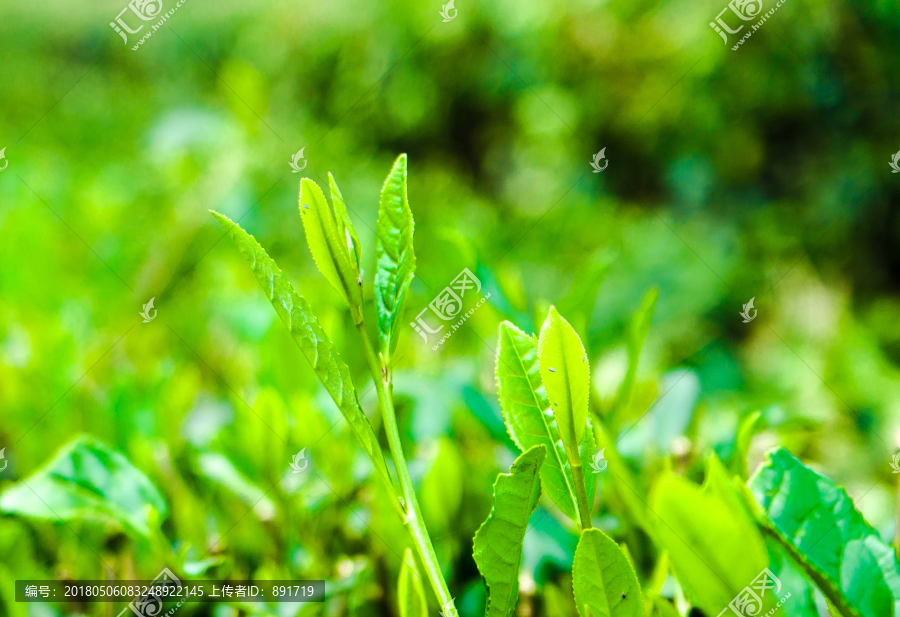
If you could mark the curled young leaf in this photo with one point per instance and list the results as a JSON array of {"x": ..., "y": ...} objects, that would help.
[
  {"x": 332, "y": 242},
  {"x": 565, "y": 372},
  {"x": 323, "y": 356},
  {"x": 396, "y": 260},
  {"x": 498, "y": 542}
]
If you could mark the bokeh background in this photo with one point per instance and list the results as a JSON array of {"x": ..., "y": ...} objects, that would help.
[{"x": 761, "y": 173}]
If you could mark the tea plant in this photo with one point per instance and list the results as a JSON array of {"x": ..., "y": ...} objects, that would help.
[{"x": 749, "y": 546}]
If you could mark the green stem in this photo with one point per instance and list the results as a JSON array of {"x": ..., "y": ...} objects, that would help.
[
  {"x": 413, "y": 520},
  {"x": 584, "y": 509}
]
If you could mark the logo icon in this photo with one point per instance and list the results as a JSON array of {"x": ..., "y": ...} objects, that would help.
[
  {"x": 3, "y": 158},
  {"x": 295, "y": 464},
  {"x": 598, "y": 464},
  {"x": 151, "y": 603},
  {"x": 746, "y": 312},
  {"x": 144, "y": 9},
  {"x": 895, "y": 162},
  {"x": 449, "y": 607},
  {"x": 296, "y": 159},
  {"x": 746, "y": 10},
  {"x": 448, "y": 12},
  {"x": 3, "y": 458},
  {"x": 447, "y": 305},
  {"x": 748, "y": 602},
  {"x": 596, "y": 162},
  {"x": 146, "y": 312},
  {"x": 895, "y": 465}
]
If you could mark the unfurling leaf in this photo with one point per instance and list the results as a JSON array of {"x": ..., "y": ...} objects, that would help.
[
  {"x": 531, "y": 420},
  {"x": 410, "y": 591},
  {"x": 498, "y": 542},
  {"x": 332, "y": 241},
  {"x": 713, "y": 543},
  {"x": 604, "y": 581},
  {"x": 90, "y": 481},
  {"x": 638, "y": 329},
  {"x": 565, "y": 372},
  {"x": 297, "y": 315},
  {"x": 396, "y": 260},
  {"x": 817, "y": 523}
]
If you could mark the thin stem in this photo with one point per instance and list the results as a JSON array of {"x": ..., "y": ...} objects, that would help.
[
  {"x": 413, "y": 520},
  {"x": 584, "y": 509}
]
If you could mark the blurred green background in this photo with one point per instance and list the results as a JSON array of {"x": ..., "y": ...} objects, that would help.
[{"x": 759, "y": 173}]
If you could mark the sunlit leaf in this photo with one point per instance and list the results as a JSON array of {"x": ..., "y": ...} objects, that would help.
[
  {"x": 318, "y": 349},
  {"x": 530, "y": 419},
  {"x": 498, "y": 542},
  {"x": 818, "y": 524},
  {"x": 638, "y": 329},
  {"x": 88, "y": 480},
  {"x": 746, "y": 430},
  {"x": 331, "y": 241},
  {"x": 713, "y": 543},
  {"x": 396, "y": 260},
  {"x": 565, "y": 372},
  {"x": 410, "y": 590},
  {"x": 603, "y": 579}
]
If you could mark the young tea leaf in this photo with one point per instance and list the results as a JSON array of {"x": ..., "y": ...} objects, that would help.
[
  {"x": 565, "y": 372},
  {"x": 531, "y": 421},
  {"x": 637, "y": 333},
  {"x": 396, "y": 260},
  {"x": 498, "y": 542},
  {"x": 217, "y": 468},
  {"x": 410, "y": 591},
  {"x": 331, "y": 241},
  {"x": 713, "y": 543},
  {"x": 817, "y": 523},
  {"x": 315, "y": 345},
  {"x": 603, "y": 579},
  {"x": 88, "y": 480}
]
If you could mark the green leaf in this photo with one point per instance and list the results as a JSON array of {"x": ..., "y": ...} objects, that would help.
[
  {"x": 332, "y": 242},
  {"x": 622, "y": 479},
  {"x": 565, "y": 372},
  {"x": 219, "y": 469},
  {"x": 746, "y": 430},
  {"x": 498, "y": 542},
  {"x": 396, "y": 260},
  {"x": 531, "y": 421},
  {"x": 802, "y": 599},
  {"x": 603, "y": 579},
  {"x": 817, "y": 523},
  {"x": 713, "y": 543},
  {"x": 637, "y": 334},
  {"x": 315, "y": 345},
  {"x": 88, "y": 480},
  {"x": 410, "y": 590},
  {"x": 441, "y": 490}
]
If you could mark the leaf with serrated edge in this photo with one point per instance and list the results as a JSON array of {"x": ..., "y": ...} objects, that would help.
[
  {"x": 410, "y": 591},
  {"x": 816, "y": 521},
  {"x": 328, "y": 243},
  {"x": 603, "y": 579},
  {"x": 565, "y": 372},
  {"x": 530, "y": 420},
  {"x": 88, "y": 480},
  {"x": 711, "y": 538},
  {"x": 396, "y": 259},
  {"x": 297, "y": 315},
  {"x": 498, "y": 542},
  {"x": 345, "y": 229}
]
